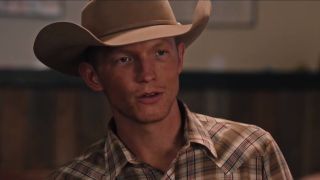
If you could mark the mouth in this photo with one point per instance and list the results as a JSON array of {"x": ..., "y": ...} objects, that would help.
[{"x": 150, "y": 97}]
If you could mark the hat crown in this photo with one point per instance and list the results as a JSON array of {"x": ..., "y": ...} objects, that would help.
[
  {"x": 104, "y": 17},
  {"x": 61, "y": 45}
]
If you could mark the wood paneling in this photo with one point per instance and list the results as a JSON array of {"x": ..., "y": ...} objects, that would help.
[
  {"x": 42, "y": 127},
  {"x": 14, "y": 140}
]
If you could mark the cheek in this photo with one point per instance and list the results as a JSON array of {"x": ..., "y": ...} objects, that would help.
[
  {"x": 170, "y": 71},
  {"x": 115, "y": 93},
  {"x": 170, "y": 77},
  {"x": 117, "y": 86}
]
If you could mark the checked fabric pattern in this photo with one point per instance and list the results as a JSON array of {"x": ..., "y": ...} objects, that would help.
[{"x": 215, "y": 149}]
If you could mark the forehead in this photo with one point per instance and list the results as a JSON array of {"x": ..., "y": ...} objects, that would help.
[{"x": 101, "y": 52}]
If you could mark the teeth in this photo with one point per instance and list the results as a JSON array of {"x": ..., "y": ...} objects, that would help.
[{"x": 150, "y": 94}]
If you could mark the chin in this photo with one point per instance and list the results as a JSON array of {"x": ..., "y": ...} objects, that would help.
[
  {"x": 147, "y": 114},
  {"x": 150, "y": 118}
]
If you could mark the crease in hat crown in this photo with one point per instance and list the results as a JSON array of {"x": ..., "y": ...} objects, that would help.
[
  {"x": 60, "y": 45},
  {"x": 101, "y": 21}
]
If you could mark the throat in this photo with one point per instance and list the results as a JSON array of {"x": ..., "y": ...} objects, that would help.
[
  {"x": 156, "y": 144},
  {"x": 160, "y": 161},
  {"x": 159, "y": 150}
]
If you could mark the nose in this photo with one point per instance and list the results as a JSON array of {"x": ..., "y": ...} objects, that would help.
[{"x": 145, "y": 70}]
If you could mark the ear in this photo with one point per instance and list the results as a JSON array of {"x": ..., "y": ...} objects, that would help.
[
  {"x": 181, "y": 51},
  {"x": 90, "y": 76}
]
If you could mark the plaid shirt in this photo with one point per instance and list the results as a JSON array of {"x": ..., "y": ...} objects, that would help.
[{"x": 215, "y": 149}]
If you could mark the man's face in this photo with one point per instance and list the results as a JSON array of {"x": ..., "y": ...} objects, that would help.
[{"x": 141, "y": 81}]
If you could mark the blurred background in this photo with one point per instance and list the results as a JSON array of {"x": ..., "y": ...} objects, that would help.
[{"x": 257, "y": 62}]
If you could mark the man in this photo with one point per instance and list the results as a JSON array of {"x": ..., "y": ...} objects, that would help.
[{"x": 133, "y": 52}]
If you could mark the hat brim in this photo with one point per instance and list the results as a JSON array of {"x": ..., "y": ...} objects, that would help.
[{"x": 60, "y": 45}]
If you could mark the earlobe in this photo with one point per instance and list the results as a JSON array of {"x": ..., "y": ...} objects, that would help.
[{"x": 90, "y": 76}]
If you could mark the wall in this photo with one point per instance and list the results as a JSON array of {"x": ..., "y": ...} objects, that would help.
[
  {"x": 18, "y": 33},
  {"x": 47, "y": 119},
  {"x": 286, "y": 37}
]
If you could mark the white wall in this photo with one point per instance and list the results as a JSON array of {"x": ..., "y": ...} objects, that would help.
[
  {"x": 285, "y": 37},
  {"x": 18, "y": 34}
]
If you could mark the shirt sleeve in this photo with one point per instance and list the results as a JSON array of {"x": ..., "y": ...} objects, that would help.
[{"x": 275, "y": 165}]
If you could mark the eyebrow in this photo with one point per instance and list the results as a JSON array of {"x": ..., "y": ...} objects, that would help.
[{"x": 159, "y": 43}]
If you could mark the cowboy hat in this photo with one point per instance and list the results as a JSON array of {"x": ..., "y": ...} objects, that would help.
[{"x": 60, "y": 45}]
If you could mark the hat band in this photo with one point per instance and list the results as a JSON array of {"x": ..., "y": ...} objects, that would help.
[{"x": 137, "y": 25}]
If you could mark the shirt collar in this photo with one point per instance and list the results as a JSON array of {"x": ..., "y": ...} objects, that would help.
[
  {"x": 195, "y": 132},
  {"x": 117, "y": 155}
]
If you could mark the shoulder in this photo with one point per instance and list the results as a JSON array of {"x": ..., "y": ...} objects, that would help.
[
  {"x": 244, "y": 145},
  {"x": 89, "y": 165},
  {"x": 229, "y": 136}
]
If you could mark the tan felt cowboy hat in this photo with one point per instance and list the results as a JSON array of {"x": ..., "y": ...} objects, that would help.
[{"x": 114, "y": 23}]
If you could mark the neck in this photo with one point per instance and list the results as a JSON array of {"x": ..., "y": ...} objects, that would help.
[{"x": 156, "y": 143}]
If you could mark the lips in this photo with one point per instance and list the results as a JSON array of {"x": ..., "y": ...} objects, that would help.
[
  {"x": 150, "y": 97},
  {"x": 150, "y": 94}
]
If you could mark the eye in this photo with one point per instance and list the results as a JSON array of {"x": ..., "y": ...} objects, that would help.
[
  {"x": 124, "y": 60},
  {"x": 161, "y": 53}
]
